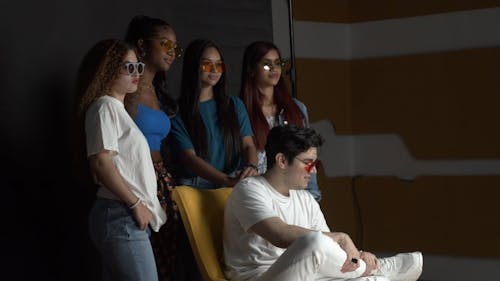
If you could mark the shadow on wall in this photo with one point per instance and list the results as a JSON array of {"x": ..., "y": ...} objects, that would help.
[
  {"x": 386, "y": 155},
  {"x": 362, "y": 196},
  {"x": 51, "y": 203}
]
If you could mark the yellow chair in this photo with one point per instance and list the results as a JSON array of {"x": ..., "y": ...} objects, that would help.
[{"x": 202, "y": 212}]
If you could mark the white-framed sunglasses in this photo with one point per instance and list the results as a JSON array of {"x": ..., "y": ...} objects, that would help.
[{"x": 132, "y": 67}]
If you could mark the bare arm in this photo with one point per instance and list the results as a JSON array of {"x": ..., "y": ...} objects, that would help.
[
  {"x": 344, "y": 242},
  {"x": 250, "y": 156},
  {"x": 203, "y": 169},
  {"x": 277, "y": 232},
  {"x": 282, "y": 235},
  {"x": 103, "y": 167},
  {"x": 348, "y": 246}
]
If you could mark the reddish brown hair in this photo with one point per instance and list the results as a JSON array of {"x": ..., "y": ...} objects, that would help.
[{"x": 252, "y": 97}]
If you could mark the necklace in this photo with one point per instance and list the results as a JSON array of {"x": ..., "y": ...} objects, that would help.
[{"x": 147, "y": 86}]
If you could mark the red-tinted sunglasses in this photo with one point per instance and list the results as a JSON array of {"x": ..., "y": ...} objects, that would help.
[{"x": 308, "y": 165}]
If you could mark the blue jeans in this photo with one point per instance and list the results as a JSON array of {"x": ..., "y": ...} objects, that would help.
[
  {"x": 126, "y": 252},
  {"x": 313, "y": 187}
]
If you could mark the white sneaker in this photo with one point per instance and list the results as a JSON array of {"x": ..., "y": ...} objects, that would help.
[{"x": 401, "y": 267}]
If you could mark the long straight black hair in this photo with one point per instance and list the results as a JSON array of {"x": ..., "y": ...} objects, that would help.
[{"x": 227, "y": 119}]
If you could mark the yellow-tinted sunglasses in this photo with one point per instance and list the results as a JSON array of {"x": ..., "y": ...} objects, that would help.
[{"x": 168, "y": 46}]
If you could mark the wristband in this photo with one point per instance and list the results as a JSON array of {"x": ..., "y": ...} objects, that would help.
[{"x": 133, "y": 206}]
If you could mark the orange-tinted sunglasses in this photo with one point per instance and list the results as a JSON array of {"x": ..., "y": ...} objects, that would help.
[{"x": 208, "y": 66}]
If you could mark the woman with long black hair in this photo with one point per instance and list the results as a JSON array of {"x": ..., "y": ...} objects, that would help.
[{"x": 212, "y": 132}]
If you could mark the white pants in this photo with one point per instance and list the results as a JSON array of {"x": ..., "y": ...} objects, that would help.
[{"x": 314, "y": 256}]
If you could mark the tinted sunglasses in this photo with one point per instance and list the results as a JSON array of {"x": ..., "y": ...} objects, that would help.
[
  {"x": 308, "y": 165},
  {"x": 208, "y": 66},
  {"x": 267, "y": 64},
  {"x": 168, "y": 46},
  {"x": 132, "y": 67}
]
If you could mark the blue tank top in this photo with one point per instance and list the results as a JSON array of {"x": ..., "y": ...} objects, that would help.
[{"x": 154, "y": 124}]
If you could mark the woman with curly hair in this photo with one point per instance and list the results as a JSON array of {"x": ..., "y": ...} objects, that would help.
[
  {"x": 268, "y": 100},
  {"x": 126, "y": 208},
  {"x": 150, "y": 107}
]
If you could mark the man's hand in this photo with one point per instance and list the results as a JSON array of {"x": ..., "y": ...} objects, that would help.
[
  {"x": 371, "y": 262},
  {"x": 351, "y": 264}
]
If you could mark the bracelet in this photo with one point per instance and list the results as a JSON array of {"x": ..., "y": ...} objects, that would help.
[{"x": 133, "y": 206}]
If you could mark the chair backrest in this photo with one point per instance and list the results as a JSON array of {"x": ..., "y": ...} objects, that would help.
[{"x": 202, "y": 212}]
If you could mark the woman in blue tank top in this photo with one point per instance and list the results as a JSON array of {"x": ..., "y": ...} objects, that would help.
[{"x": 151, "y": 107}]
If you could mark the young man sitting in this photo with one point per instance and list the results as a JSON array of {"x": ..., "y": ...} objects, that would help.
[{"x": 274, "y": 230}]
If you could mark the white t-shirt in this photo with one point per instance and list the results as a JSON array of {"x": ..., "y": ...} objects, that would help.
[
  {"x": 108, "y": 126},
  {"x": 248, "y": 255}
]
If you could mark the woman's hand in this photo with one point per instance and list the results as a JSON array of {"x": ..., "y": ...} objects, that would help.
[
  {"x": 142, "y": 215},
  {"x": 249, "y": 171}
]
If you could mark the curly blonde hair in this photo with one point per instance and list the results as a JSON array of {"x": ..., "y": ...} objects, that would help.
[{"x": 99, "y": 69}]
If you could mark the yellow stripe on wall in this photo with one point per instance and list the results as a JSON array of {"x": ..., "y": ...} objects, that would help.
[
  {"x": 443, "y": 105},
  {"x": 323, "y": 85}
]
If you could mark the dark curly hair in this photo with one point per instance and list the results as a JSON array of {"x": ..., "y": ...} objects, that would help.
[{"x": 99, "y": 69}]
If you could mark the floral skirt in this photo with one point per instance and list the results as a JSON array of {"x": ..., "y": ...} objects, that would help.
[{"x": 164, "y": 241}]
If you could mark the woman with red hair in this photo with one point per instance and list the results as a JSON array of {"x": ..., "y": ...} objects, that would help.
[{"x": 268, "y": 100}]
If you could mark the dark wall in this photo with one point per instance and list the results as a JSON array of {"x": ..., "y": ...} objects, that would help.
[{"x": 42, "y": 44}]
